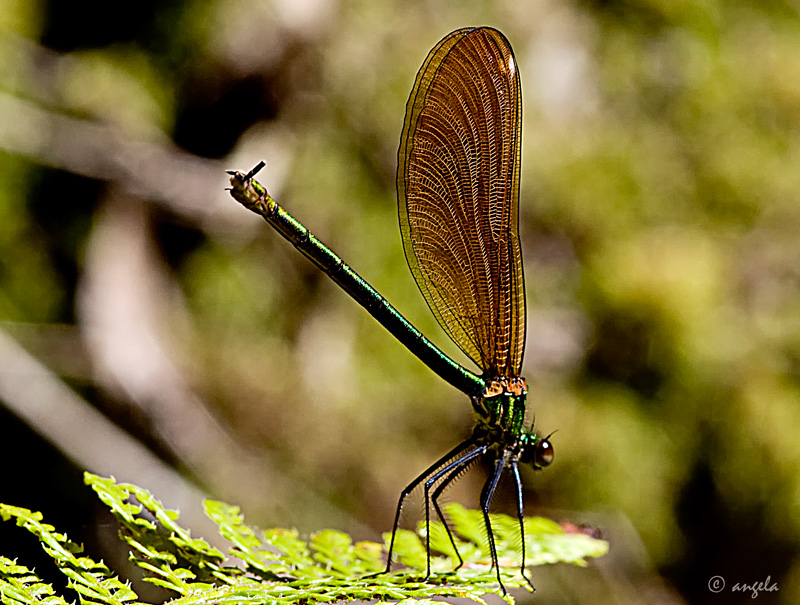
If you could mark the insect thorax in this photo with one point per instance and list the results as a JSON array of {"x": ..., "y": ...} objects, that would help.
[{"x": 501, "y": 411}]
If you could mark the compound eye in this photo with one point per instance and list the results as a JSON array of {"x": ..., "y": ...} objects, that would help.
[{"x": 544, "y": 454}]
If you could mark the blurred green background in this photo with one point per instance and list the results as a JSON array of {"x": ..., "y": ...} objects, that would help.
[{"x": 152, "y": 329}]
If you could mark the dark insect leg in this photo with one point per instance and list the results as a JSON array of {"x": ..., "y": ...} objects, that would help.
[
  {"x": 515, "y": 470},
  {"x": 435, "y": 500},
  {"x": 446, "y": 475},
  {"x": 456, "y": 451},
  {"x": 486, "y": 500}
]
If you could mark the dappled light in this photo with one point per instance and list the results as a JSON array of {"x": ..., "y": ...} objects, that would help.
[{"x": 152, "y": 329}]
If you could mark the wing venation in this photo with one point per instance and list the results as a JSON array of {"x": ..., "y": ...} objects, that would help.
[{"x": 458, "y": 195}]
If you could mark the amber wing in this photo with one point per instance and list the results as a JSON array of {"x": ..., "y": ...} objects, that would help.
[{"x": 458, "y": 195}]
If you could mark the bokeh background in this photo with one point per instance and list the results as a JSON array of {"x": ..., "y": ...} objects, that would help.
[{"x": 152, "y": 329}]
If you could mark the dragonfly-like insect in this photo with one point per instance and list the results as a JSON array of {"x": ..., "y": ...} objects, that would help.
[{"x": 458, "y": 198}]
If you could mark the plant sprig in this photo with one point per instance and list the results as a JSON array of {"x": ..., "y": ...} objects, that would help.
[{"x": 277, "y": 565}]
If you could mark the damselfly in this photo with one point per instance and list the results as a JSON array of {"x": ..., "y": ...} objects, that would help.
[{"x": 458, "y": 196}]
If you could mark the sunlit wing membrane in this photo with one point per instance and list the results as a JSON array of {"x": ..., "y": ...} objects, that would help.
[{"x": 458, "y": 195}]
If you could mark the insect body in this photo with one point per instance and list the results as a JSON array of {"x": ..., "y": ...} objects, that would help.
[{"x": 458, "y": 200}]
